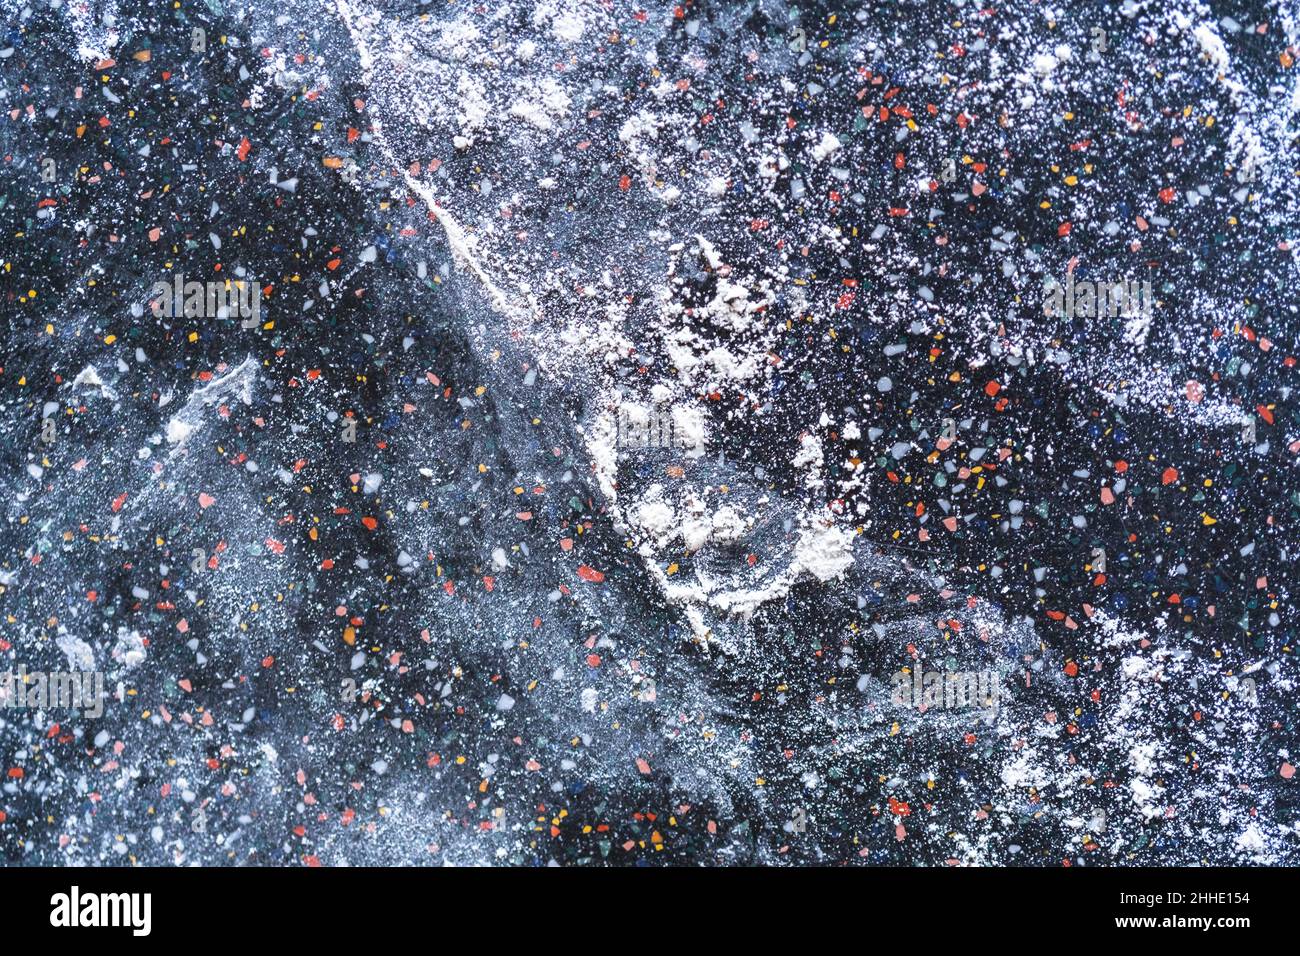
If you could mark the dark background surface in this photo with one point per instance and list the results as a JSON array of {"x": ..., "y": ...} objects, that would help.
[{"x": 247, "y": 747}]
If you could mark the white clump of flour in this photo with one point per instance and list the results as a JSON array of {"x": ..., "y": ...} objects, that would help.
[
  {"x": 567, "y": 23},
  {"x": 829, "y": 144},
  {"x": 824, "y": 551}
]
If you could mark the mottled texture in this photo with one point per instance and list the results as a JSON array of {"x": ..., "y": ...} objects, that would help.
[{"x": 511, "y": 249}]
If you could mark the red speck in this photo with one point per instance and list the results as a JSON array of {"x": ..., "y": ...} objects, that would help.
[
  {"x": 588, "y": 573},
  {"x": 1071, "y": 668},
  {"x": 244, "y": 147},
  {"x": 992, "y": 388},
  {"x": 1167, "y": 194},
  {"x": 1169, "y": 477}
]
